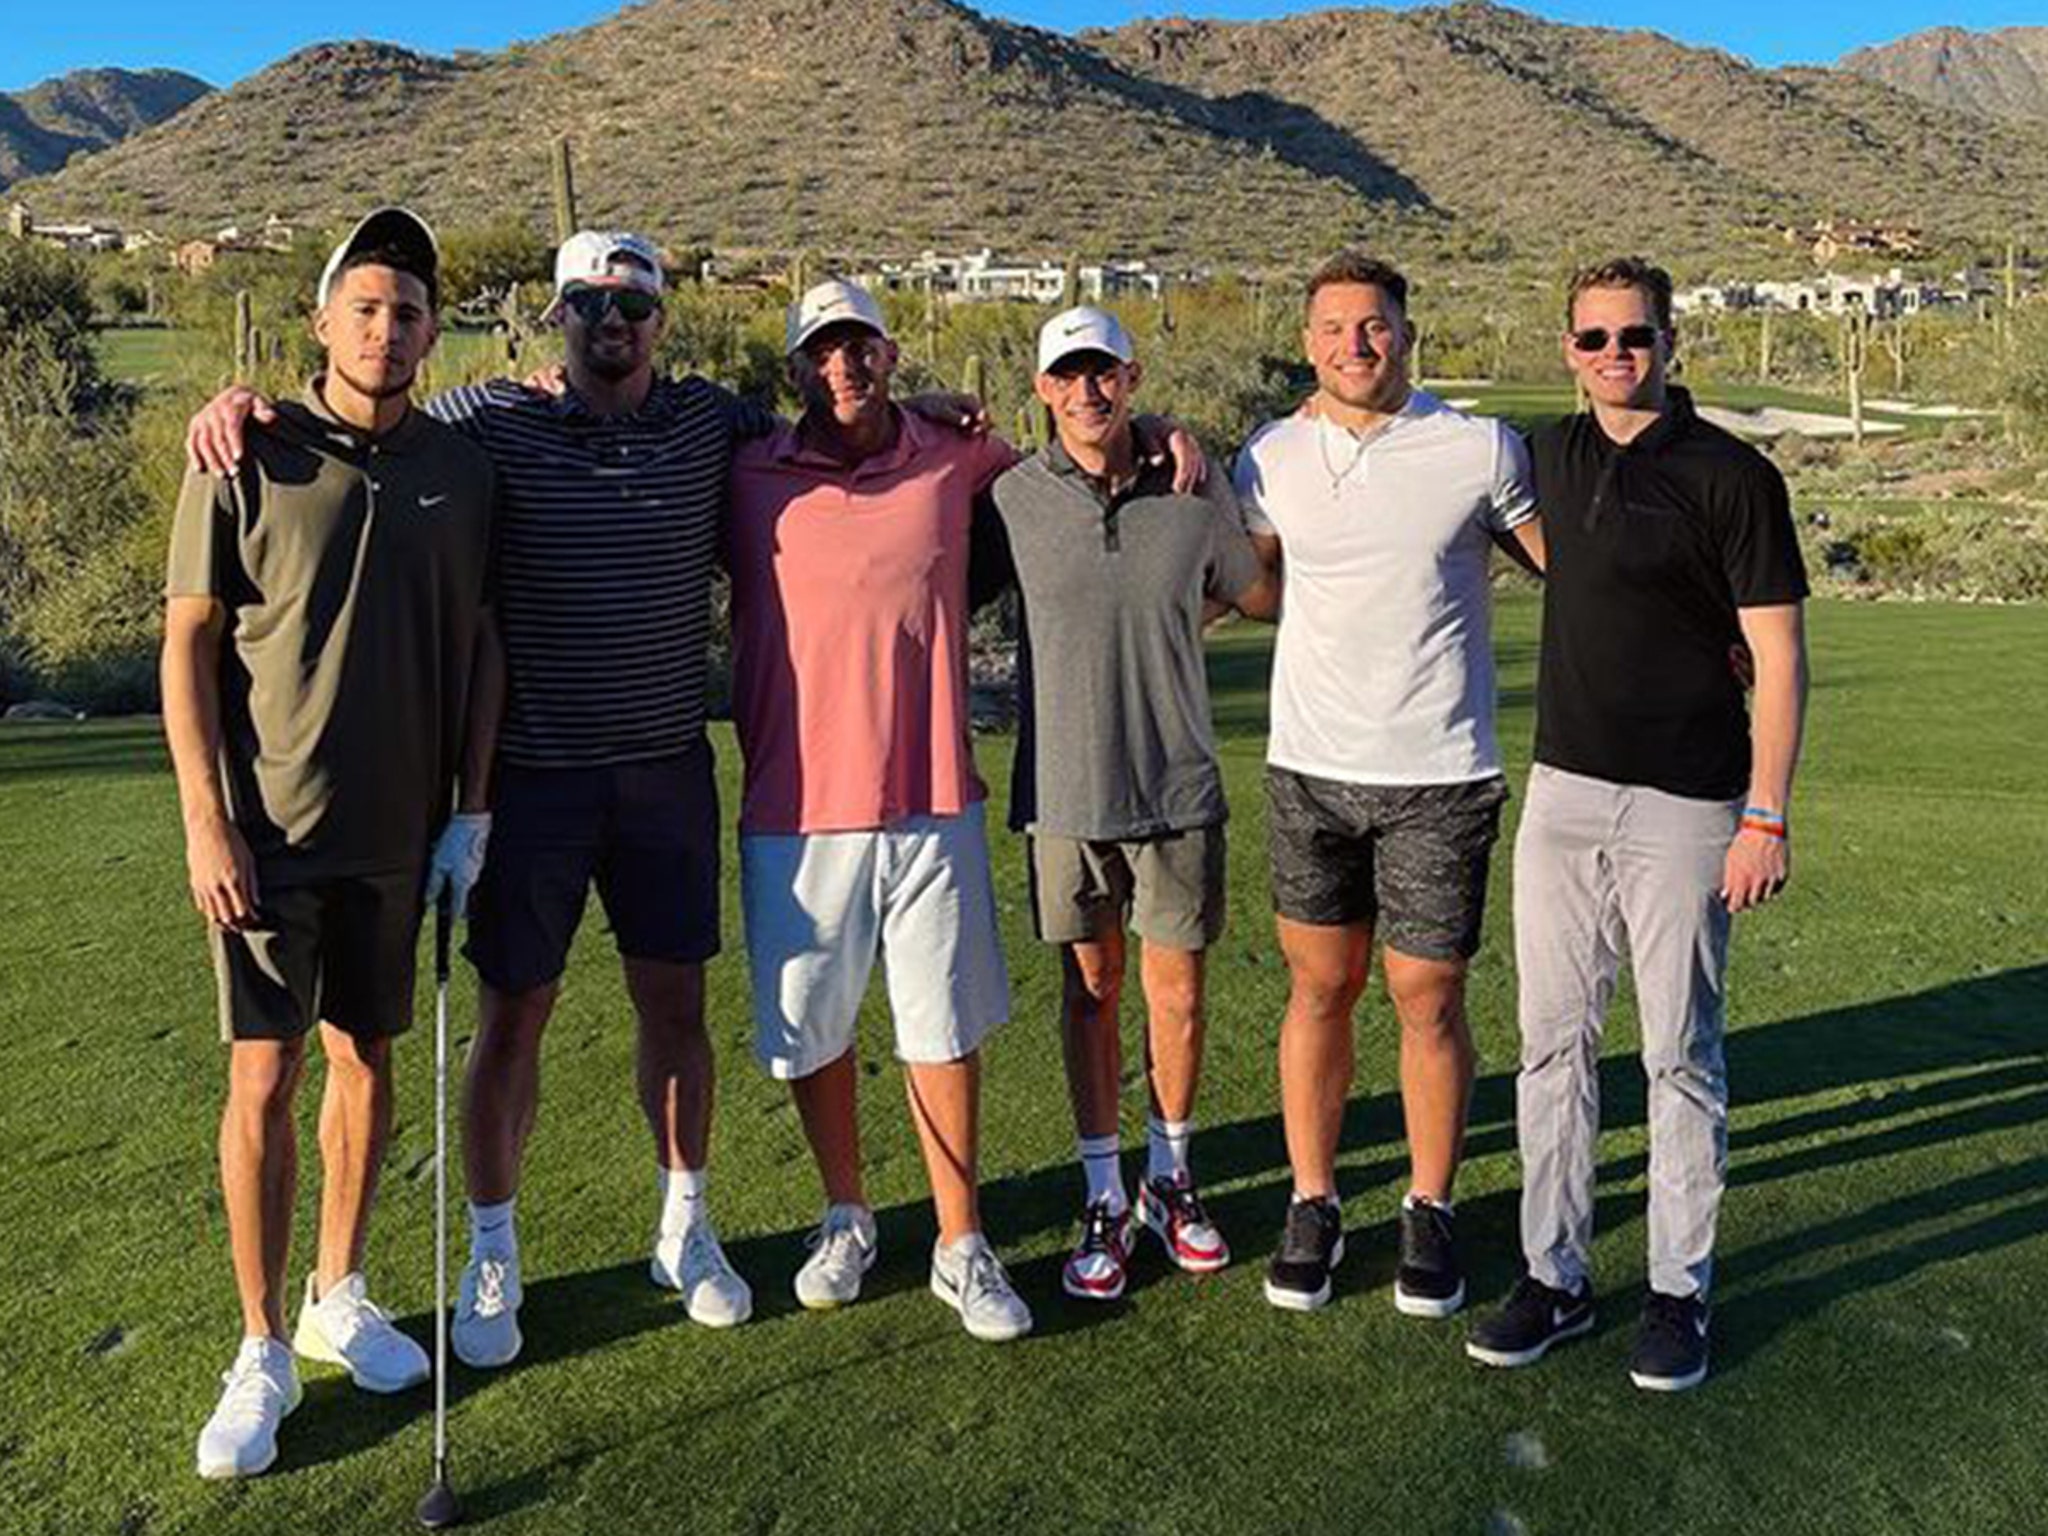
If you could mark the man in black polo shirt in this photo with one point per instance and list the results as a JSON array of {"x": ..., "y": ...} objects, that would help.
[{"x": 1656, "y": 807}]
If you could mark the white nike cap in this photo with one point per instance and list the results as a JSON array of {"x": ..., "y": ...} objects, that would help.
[
  {"x": 1083, "y": 329},
  {"x": 829, "y": 303},
  {"x": 604, "y": 258}
]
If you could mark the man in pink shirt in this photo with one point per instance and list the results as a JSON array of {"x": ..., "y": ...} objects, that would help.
[{"x": 861, "y": 824}]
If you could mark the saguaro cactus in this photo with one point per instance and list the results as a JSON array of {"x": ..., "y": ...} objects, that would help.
[
  {"x": 1855, "y": 358},
  {"x": 245, "y": 335},
  {"x": 565, "y": 189},
  {"x": 974, "y": 377},
  {"x": 1763, "y": 347}
]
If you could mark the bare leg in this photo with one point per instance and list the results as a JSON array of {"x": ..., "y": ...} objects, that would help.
[
  {"x": 674, "y": 1059},
  {"x": 1436, "y": 1065},
  {"x": 259, "y": 1171},
  {"x": 1091, "y": 986},
  {"x": 945, "y": 1101},
  {"x": 827, "y": 1104},
  {"x": 355, "y": 1126},
  {"x": 1173, "y": 1034},
  {"x": 501, "y": 1093},
  {"x": 1328, "y": 966}
]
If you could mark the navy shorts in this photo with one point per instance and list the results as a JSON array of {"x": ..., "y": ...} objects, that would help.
[{"x": 645, "y": 833}]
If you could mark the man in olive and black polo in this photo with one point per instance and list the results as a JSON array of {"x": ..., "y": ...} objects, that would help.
[
  {"x": 326, "y": 647},
  {"x": 1656, "y": 809},
  {"x": 1116, "y": 779}
]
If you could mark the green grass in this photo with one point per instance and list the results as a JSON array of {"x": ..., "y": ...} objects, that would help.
[
  {"x": 142, "y": 356},
  {"x": 1884, "y": 1245}
]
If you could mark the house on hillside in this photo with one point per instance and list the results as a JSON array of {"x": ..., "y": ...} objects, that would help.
[
  {"x": 87, "y": 235},
  {"x": 979, "y": 276}
]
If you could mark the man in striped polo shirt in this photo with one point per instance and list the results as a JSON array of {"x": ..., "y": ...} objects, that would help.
[{"x": 613, "y": 493}]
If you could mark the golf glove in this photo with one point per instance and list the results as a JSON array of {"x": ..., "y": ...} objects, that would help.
[{"x": 458, "y": 859}]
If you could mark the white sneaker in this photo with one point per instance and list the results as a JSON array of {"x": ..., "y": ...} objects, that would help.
[
  {"x": 842, "y": 1251},
  {"x": 691, "y": 1261},
  {"x": 968, "y": 1277},
  {"x": 346, "y": 1328},
  {"x": 260, "y": 1388},
  {"x": 486, "y": 1329}
]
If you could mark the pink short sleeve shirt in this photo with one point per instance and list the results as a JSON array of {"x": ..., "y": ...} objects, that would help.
[{"x": 849, "y": 621}]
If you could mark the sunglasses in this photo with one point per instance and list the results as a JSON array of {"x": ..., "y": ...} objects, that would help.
[
  {"x": 1633, "y": 338},
  {"x": 591, "y": 304}
]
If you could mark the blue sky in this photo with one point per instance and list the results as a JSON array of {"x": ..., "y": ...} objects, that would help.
[{"x": 223, "y": 42}]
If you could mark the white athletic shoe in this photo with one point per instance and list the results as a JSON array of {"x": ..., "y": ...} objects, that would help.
[
  {"x": 968, "y": 1277},
  {"x": 259, "y": 1389},
  {"x": 346, "y": 1328},
  {"x": 691, "y": 1261},
  {"x": 486, "y": 1329},
  {"x": 842, "y": 1252}
]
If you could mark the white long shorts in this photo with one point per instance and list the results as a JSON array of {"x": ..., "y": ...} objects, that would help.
[{"x": 820, "y": 907}]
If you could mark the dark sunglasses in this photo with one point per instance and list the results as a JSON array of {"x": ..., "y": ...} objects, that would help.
[
  {"x": 1633, "y": 338},
  {"x": 633, "y": 304}
]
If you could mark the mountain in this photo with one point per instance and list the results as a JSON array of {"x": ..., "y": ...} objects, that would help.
[
  {"x": 1993, "y": 74},
  {"x": 892, "y": 125},
  {"x": 44, "y": 126},
  {"x": 1599, "y": 138}
]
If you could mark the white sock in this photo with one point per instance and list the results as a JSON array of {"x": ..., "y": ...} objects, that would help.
[
  {"x": 682, "y": 1199},
  {"x": 1167, "y": 1143},
  {"x": 1105, "y": 1177},
  {"x": 491, "y": 1230},
  {"x": 1298, "y": 1198},
  {"x": 1411, "y": 1200}
]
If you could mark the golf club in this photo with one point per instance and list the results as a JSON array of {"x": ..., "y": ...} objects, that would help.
[{"x": 438, "y": 1508}]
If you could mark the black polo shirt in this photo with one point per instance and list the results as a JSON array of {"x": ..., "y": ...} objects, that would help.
[{"x": 1653, "y": 547}]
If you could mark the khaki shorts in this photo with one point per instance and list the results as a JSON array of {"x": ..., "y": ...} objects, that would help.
[
  {"x": 1170, "y": 887},
  {"x": 342, "y": 950}
]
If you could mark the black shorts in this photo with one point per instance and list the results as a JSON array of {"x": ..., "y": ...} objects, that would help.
[
  {"x": 646, "y": 833},
  {"x": 1410, "y": 859},
  {"x": 343, "y": 949}
]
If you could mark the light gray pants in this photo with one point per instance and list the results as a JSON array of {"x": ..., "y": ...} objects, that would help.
[{"x": 1607, "y": 872}]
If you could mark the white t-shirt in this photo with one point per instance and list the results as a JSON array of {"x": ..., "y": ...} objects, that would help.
[{"x": 1383, "y": 673}]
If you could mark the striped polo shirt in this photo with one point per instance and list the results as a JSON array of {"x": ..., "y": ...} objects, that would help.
[{"x": 606, "y": 539}]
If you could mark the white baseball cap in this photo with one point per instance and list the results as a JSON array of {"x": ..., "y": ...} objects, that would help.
[
  {"x": 604, "y": 258},
  {"x": 396, "y": 227},
  {"x": 829, "y": 303},
  {"x": 1083, "y": 328}
]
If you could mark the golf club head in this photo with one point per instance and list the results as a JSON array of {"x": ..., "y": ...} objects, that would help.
[{"x": 438, "y": 1510}]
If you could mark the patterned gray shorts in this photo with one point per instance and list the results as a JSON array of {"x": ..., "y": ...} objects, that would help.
[{"x": 1411, "y": 859}]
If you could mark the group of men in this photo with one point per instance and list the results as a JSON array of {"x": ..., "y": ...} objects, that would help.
[{"x": 460, "y": 653}]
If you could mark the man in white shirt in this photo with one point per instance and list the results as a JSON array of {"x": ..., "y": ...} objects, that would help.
[{"x": 1383, "y": 776}]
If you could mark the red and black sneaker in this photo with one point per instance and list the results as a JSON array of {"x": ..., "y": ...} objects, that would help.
[
  {"x": 1100, "y": 1263},
  {"x": 1171, "y": 1208}
]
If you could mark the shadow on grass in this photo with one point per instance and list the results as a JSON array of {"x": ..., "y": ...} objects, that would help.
[
  {"x": 1986, "y": 1032},
  {"x": 131, "y": 745}
]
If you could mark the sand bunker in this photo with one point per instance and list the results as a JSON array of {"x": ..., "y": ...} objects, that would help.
[{"x": 1770, "y": 422}]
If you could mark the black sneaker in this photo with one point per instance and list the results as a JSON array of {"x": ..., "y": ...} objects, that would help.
[
  {"x": 1312, "y": 1245},
  {"x": 1428, "y": 1282},
  {"x": 1671, "y": 1344},
  {"x": 1533, "y": 1318}
]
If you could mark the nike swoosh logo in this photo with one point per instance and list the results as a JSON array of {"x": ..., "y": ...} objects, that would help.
[{"x": 432, "y": 501}]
